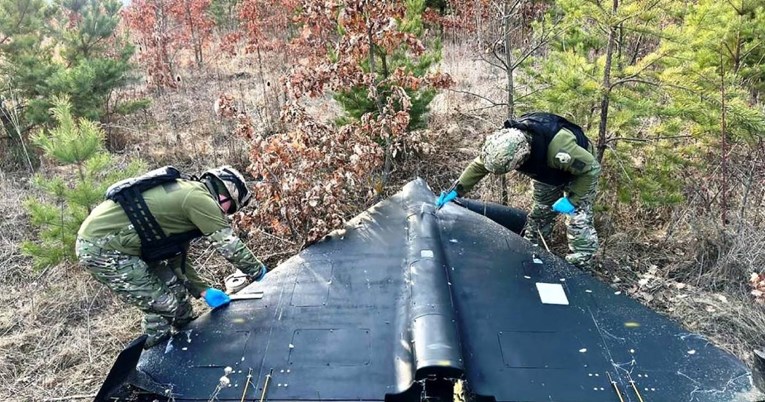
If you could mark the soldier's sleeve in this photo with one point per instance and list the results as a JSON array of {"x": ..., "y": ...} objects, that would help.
[
  {"x": 564, "y": 154},
  {"x": 472, "y": 174},
  {"x": 205, "y": 214},
  {"x": 191, "y": 279},
  {"x": 235, "y": 251}
]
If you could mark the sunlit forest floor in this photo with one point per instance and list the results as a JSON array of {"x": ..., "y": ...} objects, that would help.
[{"x": 60, "y": 330}]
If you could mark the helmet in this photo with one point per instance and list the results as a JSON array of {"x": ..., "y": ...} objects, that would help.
[
  {"x": 505, "y": 150},
  {"x": 233, "y": 182}
]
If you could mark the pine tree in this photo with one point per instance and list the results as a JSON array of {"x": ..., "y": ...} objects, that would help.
[
  {"x": 77, "y": 146},
  {"x": 356, "y": 102},
  {"x": 27, "y": 54},
  {"x": 711, "y": 77},
  {"x": 90, "y": 61},
  {"x": 600, "y": 72}
]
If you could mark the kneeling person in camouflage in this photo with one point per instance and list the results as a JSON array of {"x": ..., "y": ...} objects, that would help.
[
  {"x": 559, "y": 159},
  {"x": 135, "y": 242}
]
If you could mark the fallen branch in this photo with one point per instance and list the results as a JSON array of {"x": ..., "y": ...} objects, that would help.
[{"x": 71, "y": 397}]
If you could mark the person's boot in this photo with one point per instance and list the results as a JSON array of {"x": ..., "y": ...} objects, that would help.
[
  {"x": 155, "y": 339},
  {"x": 580, "y": 260}
]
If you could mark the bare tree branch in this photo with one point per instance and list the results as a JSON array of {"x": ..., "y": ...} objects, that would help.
[{"x": 476, "y": 95}]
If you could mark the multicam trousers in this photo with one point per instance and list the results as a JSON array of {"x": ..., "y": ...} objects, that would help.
[
  {"x": 153, "y": 288},
  {"x": 582, "y": 237}
]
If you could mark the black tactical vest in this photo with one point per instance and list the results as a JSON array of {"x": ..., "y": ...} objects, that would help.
[
  {"x": 155, "y": 244},
  {"x": 542, "y": 128}
]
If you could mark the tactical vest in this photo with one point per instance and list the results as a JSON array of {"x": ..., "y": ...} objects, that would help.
[
  {"x": 155, "y": 244},
  {"x": 542, "y": 128}
]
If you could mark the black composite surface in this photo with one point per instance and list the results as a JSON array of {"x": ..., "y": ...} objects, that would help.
[{"x": 406, "y": 293}]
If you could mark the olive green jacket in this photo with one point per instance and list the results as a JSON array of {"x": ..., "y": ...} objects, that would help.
[
  {"x": 178, "y": 207},
  {"x": 563, "y": 154}
]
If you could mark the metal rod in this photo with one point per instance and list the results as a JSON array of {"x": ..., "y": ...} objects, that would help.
[
  {"x": 636, "y": 391},
  {"x": 265, "y": 386},
  {"x": 246, "y": 384},
  {"x": 616, "y": 387},
  {"x": 543, "y": 239}
]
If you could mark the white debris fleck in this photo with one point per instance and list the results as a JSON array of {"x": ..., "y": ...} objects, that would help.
[
  {"x": 453, "y": 241},
  {"x": 169, "y": 346},
  {"x": 588, "y": 291},
  {"x": 184, "y": 348},
  {"x": 292, "y": 346},
  {"x": 563, "y": 279},
  {"x": 526, "y": 276},
  {"x": 597, "y": 375},
  {"x": 536, "y": 261},
  {"x": 582, "y": 350},
  {"x": 618, "y": 292},
  {"x": 692, "y": 352},
  {"x": 653, "y": 389},
  {"x": 633, "y": 351}
]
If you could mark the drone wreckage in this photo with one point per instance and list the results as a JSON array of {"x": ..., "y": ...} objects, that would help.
[{"x": 407, "y": 303}]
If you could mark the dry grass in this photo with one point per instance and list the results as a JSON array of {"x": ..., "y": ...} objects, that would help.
[{"x": 60, "y": 330}]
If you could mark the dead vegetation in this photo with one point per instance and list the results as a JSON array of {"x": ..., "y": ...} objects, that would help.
[{"x": 60, "y": 330}]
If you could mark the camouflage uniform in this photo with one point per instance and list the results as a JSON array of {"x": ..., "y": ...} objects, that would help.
[
  {"x": 565, "y": 155},
  {"x": 109, "y": 248}
]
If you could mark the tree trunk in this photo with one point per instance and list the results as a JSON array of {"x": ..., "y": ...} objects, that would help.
[
  {"x": 724, "y": 207},
  {"x": 606, "y": 88},
  {"x": 388, "y": 161},
  {"x": 510, "y": 84}
]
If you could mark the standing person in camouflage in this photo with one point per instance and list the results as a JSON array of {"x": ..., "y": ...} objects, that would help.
[
  {"x": 145, "y": 263},
  {"x": 559, "y": 159}
]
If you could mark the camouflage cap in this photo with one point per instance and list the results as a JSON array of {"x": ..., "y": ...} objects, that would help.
[{"x": 505, "y": 150}]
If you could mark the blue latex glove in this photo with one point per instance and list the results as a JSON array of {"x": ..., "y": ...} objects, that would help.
[
  {"x": 563, "y": 206},
  {"x": 445, "y": 198},
  {"x": 216, "y": 297},
  {"x": 260, "y": 275}
]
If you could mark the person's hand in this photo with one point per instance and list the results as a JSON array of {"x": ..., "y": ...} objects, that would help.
[
  {"x": 445, "y": 197},
  {"x": 215, "y": 297},
  {"x": 563, "y": 206},
  {"x": 260, "y": 275}
]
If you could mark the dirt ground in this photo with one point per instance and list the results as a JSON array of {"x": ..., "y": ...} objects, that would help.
[{"x": 60, "y": 330}]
